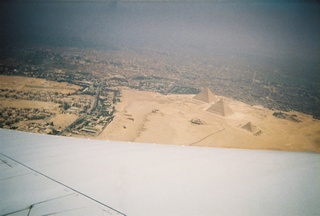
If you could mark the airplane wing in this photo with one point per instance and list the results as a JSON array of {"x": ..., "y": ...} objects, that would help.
[{"x": 44, "y": 175}]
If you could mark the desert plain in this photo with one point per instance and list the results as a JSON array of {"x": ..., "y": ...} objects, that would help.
[
  {"x": 150, "y": 117},
  {"x": 173, "y": 119}
]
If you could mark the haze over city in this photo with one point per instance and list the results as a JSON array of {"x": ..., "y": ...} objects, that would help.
[
  {"x": 277, "y": 29},
  {"x": 84, "y": 61}
]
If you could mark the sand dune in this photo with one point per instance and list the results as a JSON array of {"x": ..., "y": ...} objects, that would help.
[{"x": 154, "y": 118}]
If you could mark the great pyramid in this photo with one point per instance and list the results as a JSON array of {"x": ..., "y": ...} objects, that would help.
[
  {"x": 206, "y": 95},
  {"x": 221, "y": 108}
]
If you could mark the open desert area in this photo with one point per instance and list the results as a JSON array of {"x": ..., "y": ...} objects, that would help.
[
  {"x": 150, "y": 117},
  {"x": 205, "y": 119},
  {"x": 28, "y": 84}
]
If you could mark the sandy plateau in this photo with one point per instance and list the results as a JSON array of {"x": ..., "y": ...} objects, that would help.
[
  {"x": 28, "y": 84},
  {"x": 173, "y": 119},
  {"x": 150, "y": 117}
]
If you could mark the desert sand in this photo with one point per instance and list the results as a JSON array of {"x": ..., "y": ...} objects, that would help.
[
  {"x": 11, "y": 102},
  {"x": 150, "y": 117},
  {"x": 27, "y": 84}
]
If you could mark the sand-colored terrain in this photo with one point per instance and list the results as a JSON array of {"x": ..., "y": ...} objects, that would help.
[
  {"x": 179, "y": 119},
  {"x": 154, "y": 118},
  {"x": 63, "y": 120},
  {"x": 11, "y": 102},
  {"x": 28, "y": 84}
]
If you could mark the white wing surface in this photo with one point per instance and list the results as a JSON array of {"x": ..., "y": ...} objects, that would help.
[{"x": 43, "y": 175}]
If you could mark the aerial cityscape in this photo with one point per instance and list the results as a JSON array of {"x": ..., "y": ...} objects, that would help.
[
  {"x": 159, "y": 107},
  {"x": 85, "y": 86},
  {"x": 79, "y": 92}
]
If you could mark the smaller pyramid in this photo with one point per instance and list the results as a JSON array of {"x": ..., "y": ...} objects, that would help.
[
  {"x": 251, "y": 128},
  {"x": 206, "y": 95},
  {"x": 221, "y": 108}
]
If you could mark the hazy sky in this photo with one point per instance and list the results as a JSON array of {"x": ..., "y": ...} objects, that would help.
[{"x": 266, "y": 28}]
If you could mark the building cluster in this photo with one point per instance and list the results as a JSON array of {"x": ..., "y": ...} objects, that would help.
[
  {"x": 11, "y": 116},
  {"x": 94, "y": 112},
  {"x": 92, "y": 122},
  {"x": 36, "y": 127},
  {"x": 162, "y": 72},
  {"x": 47, "y": 96}
]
